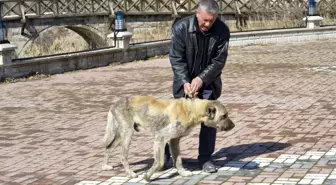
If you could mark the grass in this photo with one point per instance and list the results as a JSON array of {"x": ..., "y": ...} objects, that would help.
[{"x": 59, "y": 45}]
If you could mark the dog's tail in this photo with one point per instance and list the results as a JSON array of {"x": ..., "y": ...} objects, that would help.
[{"x": 110, "y": 131}]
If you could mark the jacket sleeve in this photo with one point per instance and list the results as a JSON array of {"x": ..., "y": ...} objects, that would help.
[
  {"x": 212, "y": 71},
  {"x": 177, "y": 56}
]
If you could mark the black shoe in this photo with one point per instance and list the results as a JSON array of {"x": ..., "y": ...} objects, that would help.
[{"x": 209, "y": 167}]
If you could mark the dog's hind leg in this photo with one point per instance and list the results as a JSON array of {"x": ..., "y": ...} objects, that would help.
[
  {"x": 158, "y": 164},
  {"x": 111, "y": 140},
  {"x": 174, "y": 145},
  {"x": 107, "y": 156},
  {"x": 125, "y": 144}
]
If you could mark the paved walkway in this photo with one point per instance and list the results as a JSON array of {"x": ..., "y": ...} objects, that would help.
[{"x": 281, "y": 97}]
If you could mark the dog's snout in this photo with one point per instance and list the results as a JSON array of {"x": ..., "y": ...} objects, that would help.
[{"x": 228, "y": 125}]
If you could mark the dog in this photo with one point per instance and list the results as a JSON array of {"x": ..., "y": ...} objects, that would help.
[{"x": 167, "y": 119}]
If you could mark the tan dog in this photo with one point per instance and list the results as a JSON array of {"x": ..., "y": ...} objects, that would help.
[{"x": 167, "y": 119}]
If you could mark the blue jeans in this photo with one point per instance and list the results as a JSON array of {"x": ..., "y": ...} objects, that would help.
[{"x": 207, "y": 136}]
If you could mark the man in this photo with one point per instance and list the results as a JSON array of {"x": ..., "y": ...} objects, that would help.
[{"x": 198, "y": 54}]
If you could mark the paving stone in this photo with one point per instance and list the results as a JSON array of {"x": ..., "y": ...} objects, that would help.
[
  {"x": 132, "y": 183},
  {"x": 211, "y": 177},
  {"x": 307, "y": 165},
  {"x": 209, "y": 182},
  {"x": 135, "y": 180},
  {"x": 316, "y": 176},
  {"x": 230, "y": 173},
  {"x": 222, "y": 178},
  {"x": 108, "y": 183},
  {"x": 162, "y": 182},
  {"x": 317, "y": 181},
  {"x": 281, "y": 97},
  {"x": 286, "y": 181},
  {"x": 329, "y": 182},
  {"x": 248, "y": 173},
  {"x": 296, "y": 165},
  {"x": 194, "y": 180},
  {"x": 269, "y": 169},
  {"x": 180, "y": 181},
  {"x": 88, "y": 183},
  {"x": 333, "y": 176}
]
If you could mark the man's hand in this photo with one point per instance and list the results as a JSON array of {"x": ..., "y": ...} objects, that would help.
[
  {"x": 187, "y": 89},
  {"x": 196, "y": 84}
]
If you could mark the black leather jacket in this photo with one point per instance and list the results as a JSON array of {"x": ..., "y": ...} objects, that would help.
[{"x": 183, "y": 52}]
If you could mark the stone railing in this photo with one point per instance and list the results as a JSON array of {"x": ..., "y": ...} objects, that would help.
[{"x": 13, "y": 68}]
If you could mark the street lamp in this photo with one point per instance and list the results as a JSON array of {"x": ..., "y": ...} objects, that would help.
[
  {"x": 312, "y": 8},
  {"x": 3, "y": 30},
  {"x": 120, "y": 31},
  {"x": 120, "y": 24},
  {"x": 312, "y": 19}
]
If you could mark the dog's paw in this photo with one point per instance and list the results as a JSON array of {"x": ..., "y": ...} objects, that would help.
[
  {"x": 107, "y": 167},
  {"x": 132, "y": 175},
  {"x": 185, "y": 173},
  {"x": 146, "y": 178}
]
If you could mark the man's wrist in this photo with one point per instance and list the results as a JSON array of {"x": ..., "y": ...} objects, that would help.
[{"x": 201, "y": 80}]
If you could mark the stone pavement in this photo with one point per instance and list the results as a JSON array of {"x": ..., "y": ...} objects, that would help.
[{"x": 281, "y": 97}]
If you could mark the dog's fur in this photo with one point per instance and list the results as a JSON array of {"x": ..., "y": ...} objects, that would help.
[{"x": 167, "y": 119}]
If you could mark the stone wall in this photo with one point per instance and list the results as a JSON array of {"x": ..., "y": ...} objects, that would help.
[
  {"x": 81, "y": 60},
  {"x": 149, "y": 31},
  {"x": 147, "y": 28}
]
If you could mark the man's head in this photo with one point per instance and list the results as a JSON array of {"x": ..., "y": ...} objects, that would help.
[{"x": 206, "y": 14}]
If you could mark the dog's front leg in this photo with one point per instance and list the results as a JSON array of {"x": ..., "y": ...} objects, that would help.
[
  {"x": 158, "y": 157},
  {"x": 174, "y": 145}
]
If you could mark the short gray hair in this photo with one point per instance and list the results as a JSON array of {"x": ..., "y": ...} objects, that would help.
[{"x": 210, "y": 6}]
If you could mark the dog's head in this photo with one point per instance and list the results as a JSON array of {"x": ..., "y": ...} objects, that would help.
[{"x": 218, "y": 116}]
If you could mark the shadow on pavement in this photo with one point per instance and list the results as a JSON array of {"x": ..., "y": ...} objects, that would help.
[{"x": 228, "y": 157}]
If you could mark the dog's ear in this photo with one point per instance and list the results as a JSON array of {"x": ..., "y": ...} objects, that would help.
[{"x": 211, "y": 111}]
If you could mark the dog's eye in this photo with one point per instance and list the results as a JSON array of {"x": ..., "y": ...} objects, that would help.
[{"x": 224, "y": 116}]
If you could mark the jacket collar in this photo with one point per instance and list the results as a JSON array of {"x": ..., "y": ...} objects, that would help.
[{"x": 192, "y": 25}]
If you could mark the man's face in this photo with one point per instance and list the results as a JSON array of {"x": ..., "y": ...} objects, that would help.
[{"x": 205, "y": 19}]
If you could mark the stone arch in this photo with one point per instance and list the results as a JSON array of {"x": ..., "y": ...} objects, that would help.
[{"x": 91, "y": 35}]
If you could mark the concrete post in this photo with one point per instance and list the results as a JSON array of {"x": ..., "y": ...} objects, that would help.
[
  {"x": 122, "y": 39},
  {"x": 313, "y": 21},
  {"x": 6, "y": 53}
]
